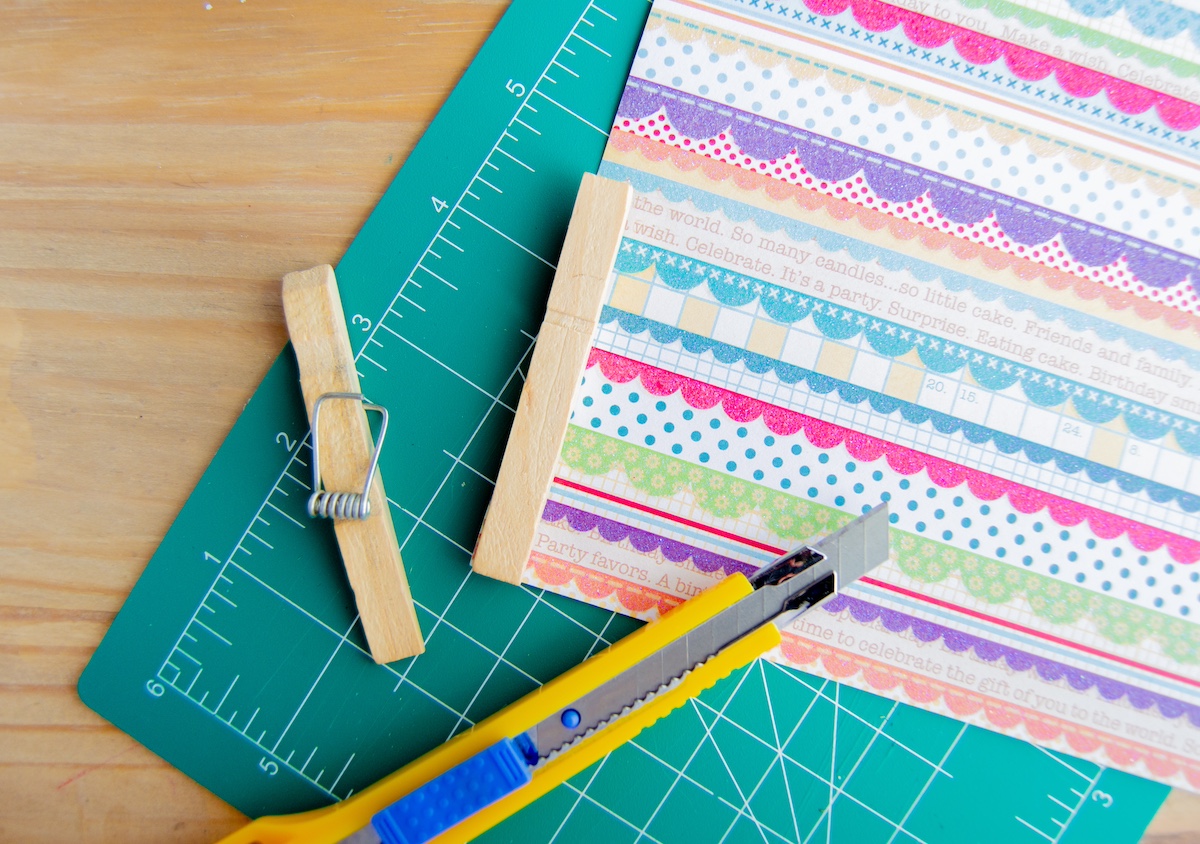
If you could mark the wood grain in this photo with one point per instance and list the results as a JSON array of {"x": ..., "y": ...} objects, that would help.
[
  {"x": 564, "y": 341},
  {"x": 161, "y": 167},
  {"x": 343, "y": 444}
]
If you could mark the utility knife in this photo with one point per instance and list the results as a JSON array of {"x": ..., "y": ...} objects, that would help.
[{"x": 477, "y": 779}]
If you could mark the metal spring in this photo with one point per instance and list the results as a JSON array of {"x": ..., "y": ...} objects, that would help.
[
  {"x": 331, "y": 504},
  {"x": 338, "y": 505}
]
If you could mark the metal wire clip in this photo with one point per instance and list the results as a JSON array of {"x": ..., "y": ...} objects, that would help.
[{"x": 343, "y": 505}]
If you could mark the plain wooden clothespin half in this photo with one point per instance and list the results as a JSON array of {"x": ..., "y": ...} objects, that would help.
[
  {"x": 564, "y": 341},
  {"x": 370, "y": 552}
]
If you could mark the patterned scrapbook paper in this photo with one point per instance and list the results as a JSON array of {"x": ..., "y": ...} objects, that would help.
[
  {"x": 850, "y": 277},
  {"x": 1122, "y": 90},
  {"x": 1150, "y": 44}
]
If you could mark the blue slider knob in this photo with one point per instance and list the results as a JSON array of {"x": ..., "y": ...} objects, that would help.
[{"x": 454, "y": 796}]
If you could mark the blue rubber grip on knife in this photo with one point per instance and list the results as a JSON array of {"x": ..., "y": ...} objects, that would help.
[{"x": 454, "y": 796}]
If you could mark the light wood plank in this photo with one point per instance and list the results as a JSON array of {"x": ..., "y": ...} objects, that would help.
[
  {"x": 565, "y": 338},
  {"x": 161, "y": 167}
]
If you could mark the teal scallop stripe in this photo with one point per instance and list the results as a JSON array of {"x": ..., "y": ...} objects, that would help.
[
  {"x": 852, "y": 394},
  {"x": 891, "y": 339},
  {"x": 923, "y": 271}
]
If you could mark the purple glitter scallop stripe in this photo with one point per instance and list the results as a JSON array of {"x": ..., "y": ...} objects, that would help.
[
  {"x": 896, "y": 181},
  {"x": 894, "y": 621},
  {"x": 581, "y": 521},
  {"x": 1047, "y": 669}
]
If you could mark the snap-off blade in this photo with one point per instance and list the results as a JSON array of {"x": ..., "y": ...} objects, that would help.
[{"x": 794, "y": 582}]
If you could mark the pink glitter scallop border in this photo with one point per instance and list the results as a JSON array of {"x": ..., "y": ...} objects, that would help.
[
  {"x": 907, "y": 461},
  {"x": 1024, "y": 63}
]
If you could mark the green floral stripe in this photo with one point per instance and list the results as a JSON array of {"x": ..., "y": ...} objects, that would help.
[{"x": 922, "y": 559}]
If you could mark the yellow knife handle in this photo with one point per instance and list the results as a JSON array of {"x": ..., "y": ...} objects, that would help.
[
  {"x": 605, "y": 741},
  {"x": 333, "y": 823}
]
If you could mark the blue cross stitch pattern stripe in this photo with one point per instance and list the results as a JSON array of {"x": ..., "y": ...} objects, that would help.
[
  {"x": 1019, "y": 24},
  {"x": 787, "y": 305},
  {"x": 1044, "y": 95},
  {"x": 993, "y": 372},
  {"x": 924, "y": 271}
]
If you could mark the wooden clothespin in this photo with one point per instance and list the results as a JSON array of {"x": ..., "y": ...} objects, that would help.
[
  {"x": 576, "y": 297},
  {"x": 347, "y": 458}
]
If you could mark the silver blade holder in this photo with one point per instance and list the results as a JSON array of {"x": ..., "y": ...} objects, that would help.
[
  {"x": 793, "y": 583},
  {"x": 808, "y": 575}
]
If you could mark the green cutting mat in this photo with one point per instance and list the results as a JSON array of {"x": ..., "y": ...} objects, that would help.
[
  {"x": 772, "y": 755},
  {"x": 238, "y": 656}
]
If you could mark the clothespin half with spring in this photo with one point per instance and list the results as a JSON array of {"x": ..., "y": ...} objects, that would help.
[{"x": 346, "y": 459}]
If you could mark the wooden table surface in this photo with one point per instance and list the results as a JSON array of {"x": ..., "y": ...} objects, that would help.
[{"x": 162, "y": 165}]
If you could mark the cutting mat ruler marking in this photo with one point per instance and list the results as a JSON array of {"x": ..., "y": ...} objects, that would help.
[
  {"x": 244, "y": 603},
  {"x": 238, "y": 657}
]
